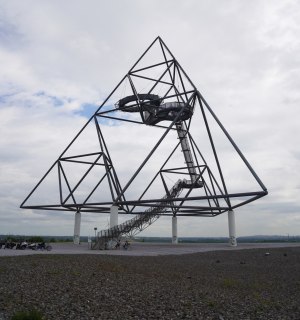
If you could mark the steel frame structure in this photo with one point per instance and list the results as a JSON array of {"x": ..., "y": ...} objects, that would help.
[{"x": 215, "y": 198}]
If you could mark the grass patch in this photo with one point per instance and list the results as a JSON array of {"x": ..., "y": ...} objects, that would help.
[
  {"x": 212, "y": 303},
  {"x": 3, "y": 270},
  {"x": 28, "y": 315},
  {"x": 112, "y": 266},
  {"x": 53, "y": 272},
  {"x": 229, "y": 283}
]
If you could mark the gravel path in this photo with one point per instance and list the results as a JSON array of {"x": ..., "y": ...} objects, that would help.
[{"x": 238, "y": 284}]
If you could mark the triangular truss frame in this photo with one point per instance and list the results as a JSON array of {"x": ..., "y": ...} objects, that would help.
[{"x": 178, "y": 86}]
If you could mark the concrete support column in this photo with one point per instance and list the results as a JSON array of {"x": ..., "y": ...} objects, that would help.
[
  {"x": 76, "y": 237},
  {"x": 231, "y": 227},
  {"x": 174, "y": 230},
  {"x": 113, "y": 216}
]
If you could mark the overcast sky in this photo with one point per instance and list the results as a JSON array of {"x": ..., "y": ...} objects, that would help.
[{"x": 60, "y": 59}]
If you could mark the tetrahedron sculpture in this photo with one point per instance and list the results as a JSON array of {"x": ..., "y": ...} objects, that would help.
[{"x": 171, "y": 155}]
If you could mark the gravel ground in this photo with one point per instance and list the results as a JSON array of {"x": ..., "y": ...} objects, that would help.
[{"x": 239, "y": 284}]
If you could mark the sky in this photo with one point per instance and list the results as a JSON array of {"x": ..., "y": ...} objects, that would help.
[{"x": 60, "y": 60}]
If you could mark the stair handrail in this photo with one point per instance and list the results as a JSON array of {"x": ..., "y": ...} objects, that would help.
[{"x": 115, "y": 231}]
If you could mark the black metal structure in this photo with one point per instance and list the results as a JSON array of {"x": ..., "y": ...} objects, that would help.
[{"x": 158, "y": 94}]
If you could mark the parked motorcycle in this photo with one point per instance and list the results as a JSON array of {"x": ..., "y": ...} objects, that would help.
[
  {"x": 33, "y": 246},
  {"x": 40, "y": 246}
]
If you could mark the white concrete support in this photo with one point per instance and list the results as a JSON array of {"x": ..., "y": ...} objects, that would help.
[
  {"x": 231, "y": 227},
  {"x": 113, "y": 216},
  {"x": 76, "y": 237},
  {"x": 174, "y": 230}
]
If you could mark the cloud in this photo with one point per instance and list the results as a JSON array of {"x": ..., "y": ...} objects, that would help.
[{"x": 59, "y": 61}]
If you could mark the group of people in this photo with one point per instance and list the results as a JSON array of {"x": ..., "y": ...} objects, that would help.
[{"x": 125, "y": 245}]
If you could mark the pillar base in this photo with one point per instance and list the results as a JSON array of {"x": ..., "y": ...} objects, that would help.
[
  {"x": 232, "y": 242},
  {"x": 76, "y": 239}
]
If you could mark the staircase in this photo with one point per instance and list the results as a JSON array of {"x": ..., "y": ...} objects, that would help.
[
  {"x": 107, "y": 238},
  {"x": 137, "y": 224},
  {"x": 188, "y": 157}
]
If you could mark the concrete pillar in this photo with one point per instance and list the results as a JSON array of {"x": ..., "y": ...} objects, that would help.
[
  {"x": 174, "y": 230},
  {"x": 76, "y": 237},
  {"x": 231, "y": 227},
  {"x": 113, "y": 216}
]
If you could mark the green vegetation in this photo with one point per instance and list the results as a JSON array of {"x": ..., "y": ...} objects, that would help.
[
  {"x": 229, "y": 283},
  {"x": 212, "y": 303},
  {"x": 53, "y": 272},
  {"x": 11, "y": 239},
  {"x": 28, "y": 315},
  {"x": 2, "y": 270},
  {"x": 35, "y": 239}
]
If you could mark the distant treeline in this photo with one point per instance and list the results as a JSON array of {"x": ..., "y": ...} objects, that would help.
[
  {"x": 251, "y": 239},
  {"x": 37, "y": 239},
  {"x": 247, "y": 239}
]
